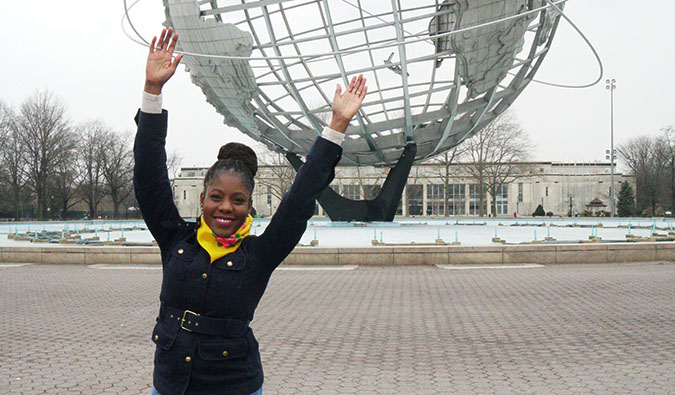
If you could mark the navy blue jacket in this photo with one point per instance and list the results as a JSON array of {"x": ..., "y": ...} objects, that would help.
[{"x": 231, "y": 287}]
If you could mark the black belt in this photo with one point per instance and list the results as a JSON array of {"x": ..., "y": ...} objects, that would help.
[{"x": 193, "y": 322}]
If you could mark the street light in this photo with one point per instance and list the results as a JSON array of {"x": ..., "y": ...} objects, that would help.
[{"x": 610, "y": 86}]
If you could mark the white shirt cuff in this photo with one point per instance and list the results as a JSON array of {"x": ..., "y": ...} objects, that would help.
[
  {"x": 151, "y": 104},
  {"x": 333, "y": 136}
]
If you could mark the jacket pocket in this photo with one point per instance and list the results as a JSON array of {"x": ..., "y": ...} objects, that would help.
[
  {"x": 183, "y": 252},
  {"x": 223, "y": 349},
  {"x": 178, "y": 264},
  {"x": 163, "y": 337},
  {"x": 231, "y": 262}
]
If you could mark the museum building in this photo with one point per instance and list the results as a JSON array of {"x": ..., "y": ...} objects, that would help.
[{"x": 561, "y": 188}]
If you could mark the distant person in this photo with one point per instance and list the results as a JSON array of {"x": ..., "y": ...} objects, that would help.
[
  {"x": 515, "y": 214},
  {"x": 215, "y": 272}
]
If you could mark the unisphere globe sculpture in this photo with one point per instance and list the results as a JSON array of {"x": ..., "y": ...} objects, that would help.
[{"x": 437, "y": 71}]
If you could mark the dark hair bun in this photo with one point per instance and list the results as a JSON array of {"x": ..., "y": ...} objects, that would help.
[{"x": 240, "y": 152}]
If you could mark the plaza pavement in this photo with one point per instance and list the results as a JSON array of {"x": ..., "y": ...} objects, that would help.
[{"x": 601, "y": 328}]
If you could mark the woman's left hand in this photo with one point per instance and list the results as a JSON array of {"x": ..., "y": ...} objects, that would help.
[
  {"x": 161, "y": 65},
  {"x": 345, "y": 105}
]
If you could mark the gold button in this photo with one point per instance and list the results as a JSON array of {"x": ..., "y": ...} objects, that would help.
[
  {"x": 188, "y": 359},
  {"x": 171, "y": 316},
  {"x": 156, "y": 337},
  {"x": 229, "y": 263},
  {"x": 225, "y": 353},
  {"x": 180, "y": 251},
  {"x": 204, "y": 275}
]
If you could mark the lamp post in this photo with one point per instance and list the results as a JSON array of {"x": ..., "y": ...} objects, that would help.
[{"x": 610, "y": 86}]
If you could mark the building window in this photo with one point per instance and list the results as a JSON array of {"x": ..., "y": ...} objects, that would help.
[
  {"x": 501, "y": 199},
  {"x": 474, "y": 199},
  {"x": 456, "y": 199},
  {"x": 435, "y": 196},
  {"x": 415, "y": 199},
  {"x": 546, "y": 191},
  {"x": 520, "y": 192},
  {"x": 351, "y": 192},
  {"x": 191, "y": 173}
]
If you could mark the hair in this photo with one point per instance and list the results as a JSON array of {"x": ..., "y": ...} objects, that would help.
[{"x": 236, "y": 158}]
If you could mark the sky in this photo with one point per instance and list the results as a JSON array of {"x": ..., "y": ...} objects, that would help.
[{"x": 77, "y": 50}]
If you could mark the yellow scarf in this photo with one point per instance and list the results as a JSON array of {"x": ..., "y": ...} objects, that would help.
[{"x": 218, "y": 247}]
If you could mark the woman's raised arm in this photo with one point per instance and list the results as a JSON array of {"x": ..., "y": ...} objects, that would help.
[
  {"x": 290, "y": 220},
  {"x": 151, "y": 179}
]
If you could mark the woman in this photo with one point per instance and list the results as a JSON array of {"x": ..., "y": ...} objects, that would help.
[{"x": 215, "y": 272}]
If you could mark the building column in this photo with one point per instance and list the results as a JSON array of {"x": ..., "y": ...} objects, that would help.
[
  {"x": 467, "y": 194},
  {"x": 424, "y": 200},
  {"x": 404, "y": 202}
]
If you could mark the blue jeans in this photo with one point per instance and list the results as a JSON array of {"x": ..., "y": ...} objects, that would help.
[{"x": 155, "y": 392}]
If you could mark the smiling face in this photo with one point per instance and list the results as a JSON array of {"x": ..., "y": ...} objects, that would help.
[{"x": 225, "y": 204}]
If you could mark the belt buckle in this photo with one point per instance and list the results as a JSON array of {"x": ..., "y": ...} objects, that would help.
[{"x": 182, "y": 321}]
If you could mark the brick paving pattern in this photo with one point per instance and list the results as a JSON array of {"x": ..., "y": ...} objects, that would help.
[{"x": 375, "y": 330}]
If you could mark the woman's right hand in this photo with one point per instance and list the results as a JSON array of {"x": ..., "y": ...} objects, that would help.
[{"x": 161, "y": 65}]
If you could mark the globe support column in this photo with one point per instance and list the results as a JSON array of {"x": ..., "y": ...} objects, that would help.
[{"x": 382, "y": 208}]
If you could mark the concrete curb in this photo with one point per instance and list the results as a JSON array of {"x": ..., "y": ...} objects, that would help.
[{"x": 393, "y": 255}]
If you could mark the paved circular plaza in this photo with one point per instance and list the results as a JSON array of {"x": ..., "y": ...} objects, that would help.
[{"x": 389, "y": 330}]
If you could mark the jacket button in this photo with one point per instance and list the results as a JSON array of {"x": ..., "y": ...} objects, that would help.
[
  {"x": 188, "y": 359},
  {"x": 180, "y": 251},
  {"x": 225, "y": 353},
  {"x": 156, "y": 337},
  {"x": 229, "y": 263},
  {"x": 204, "y": 275}
]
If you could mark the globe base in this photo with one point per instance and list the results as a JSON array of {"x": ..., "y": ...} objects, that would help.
[{"x": 380, "y": 209}]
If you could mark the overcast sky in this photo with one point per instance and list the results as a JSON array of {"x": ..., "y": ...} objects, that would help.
[{"x": 77, "y": 50}]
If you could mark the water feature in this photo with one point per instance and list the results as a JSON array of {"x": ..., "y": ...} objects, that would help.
[{"x": 467, "y": 231}]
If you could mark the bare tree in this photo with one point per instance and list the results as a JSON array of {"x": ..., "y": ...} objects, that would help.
[
  {"x": 370, "y": 181},
  {"x": 64, "y": 190},
  {"x": 646, "y": 158},
  {"x": 45, "y": 135},
  {"x": 279, "y": 174},
  {"x": 118, "y": 164},
  {"x": 12, "y": 173},
  {"x": 91, "y": 147},
  {"x": 494, "y": 153},
  {"x": 669, "y": 154},
  {"x": 173, "y": 163}
]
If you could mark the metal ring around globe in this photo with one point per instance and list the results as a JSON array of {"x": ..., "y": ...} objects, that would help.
[
  {"x": 126, "y": 16},
  {"x": 254, "y": 66},
  {"x": 595, "y": 53},
  {"x": 333, "y": 53},
  {"x": 318, "y": 57}
]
